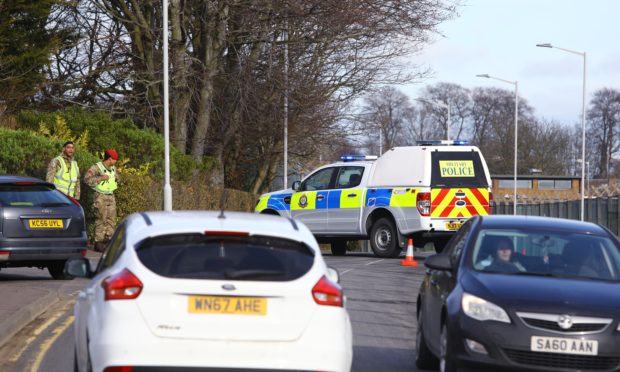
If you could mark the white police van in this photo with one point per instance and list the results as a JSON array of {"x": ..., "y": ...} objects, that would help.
[{"x": 423, "y": 192}]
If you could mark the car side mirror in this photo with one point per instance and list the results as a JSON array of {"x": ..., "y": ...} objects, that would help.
[
  {"x": 296, "y": 186},
  {"x": 333, "y": 274},
  {"x": 439, "y": 261},
  {"x": 79, "y": 267}
]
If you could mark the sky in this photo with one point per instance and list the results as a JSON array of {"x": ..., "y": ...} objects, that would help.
[{"x": 499, "y": 37}]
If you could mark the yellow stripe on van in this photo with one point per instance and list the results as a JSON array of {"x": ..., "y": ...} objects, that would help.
[
  {"x": 403, "y": 197},
  {"x": 304, "y": 200},
  {"x": 351, "y": 202}
]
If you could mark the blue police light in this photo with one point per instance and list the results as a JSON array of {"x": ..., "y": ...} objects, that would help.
[
  {"x": 457, "y": 142},
  {"x": 357, "y": 157}
]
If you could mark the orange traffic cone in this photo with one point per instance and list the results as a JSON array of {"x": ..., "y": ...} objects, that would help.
[{"x": 409, "y": 259}]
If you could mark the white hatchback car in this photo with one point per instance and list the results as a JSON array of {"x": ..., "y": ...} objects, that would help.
[{"x": 213, "y": 290}]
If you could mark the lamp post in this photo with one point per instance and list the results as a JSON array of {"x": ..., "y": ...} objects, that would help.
[
  {"x": 516, "y": 85},
  {"x": 583, "y": 118},
  {"x": 167, "y": 187},
  {"x": 443, "y": 105}
]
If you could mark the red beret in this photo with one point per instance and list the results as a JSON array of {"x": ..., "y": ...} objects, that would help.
[{"x": 112, "y": 153}]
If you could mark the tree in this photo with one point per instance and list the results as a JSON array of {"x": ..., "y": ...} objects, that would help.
[
  {"x": 452, "y": 95},
  {"x": 604, "y": 126}
]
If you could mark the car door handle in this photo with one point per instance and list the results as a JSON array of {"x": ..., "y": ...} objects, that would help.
[
  {"x": 352, "y": 195},
  {"x": 320, "y": 197}
]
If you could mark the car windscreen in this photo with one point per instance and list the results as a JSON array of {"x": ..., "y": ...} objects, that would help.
[
  {"x": 457, "y": 169},
  {"x": 198, "y": 256},
  {"x": 546, "y": 253},
  {"x": 31, "y": 195}
]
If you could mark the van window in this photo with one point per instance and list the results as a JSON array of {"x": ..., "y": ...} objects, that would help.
[{"x": 457, "y": 169}]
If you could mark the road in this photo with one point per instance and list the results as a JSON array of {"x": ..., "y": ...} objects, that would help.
[{"x": 380, "y": 298}]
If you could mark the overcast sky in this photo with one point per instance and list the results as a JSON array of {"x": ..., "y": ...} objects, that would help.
[{"x": 499, "y": 37}]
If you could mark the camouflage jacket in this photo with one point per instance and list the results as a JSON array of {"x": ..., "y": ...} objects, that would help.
[
  {"x": 94, "y": 174},
  {"x": 55, "y": 165}
]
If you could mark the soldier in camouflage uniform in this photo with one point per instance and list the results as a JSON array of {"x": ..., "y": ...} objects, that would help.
[
  {"x": 102, "y": 177},
  {"x": 64, "y": 173}
]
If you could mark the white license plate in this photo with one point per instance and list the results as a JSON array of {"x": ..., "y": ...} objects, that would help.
[{"x": 564, "y": 345}]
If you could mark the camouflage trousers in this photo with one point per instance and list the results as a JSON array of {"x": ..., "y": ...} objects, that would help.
[{"x": 105, "y": 212}]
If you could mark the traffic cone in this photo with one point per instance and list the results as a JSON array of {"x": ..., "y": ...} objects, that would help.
[{"x": 409, "y": 259}]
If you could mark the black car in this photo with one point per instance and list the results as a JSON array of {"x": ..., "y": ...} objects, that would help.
[
  {"x": 518, "y": 292},
  {"x": 39, "y": 226}
]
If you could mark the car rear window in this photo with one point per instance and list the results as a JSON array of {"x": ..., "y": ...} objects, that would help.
[
  {"x": 197, "y": 256},
  {"x": 457, "y": 169},
  {"x": 31, "y": 195}
]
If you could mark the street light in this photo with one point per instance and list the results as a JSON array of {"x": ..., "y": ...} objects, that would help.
[
  {"x": 516, "y": 84},
  {"x": 167, "y": 187},
  {"x": 583, "y": 118},
  {"x": 587, "y": 171},
  {"x": 443, "y": 105}
]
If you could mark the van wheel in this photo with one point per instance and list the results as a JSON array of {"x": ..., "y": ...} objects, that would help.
[
  {"x": 440, "y": 244},
  {"x": 383, "y": 239},
  {"x": 57, "y": 270},
  {"x": 339, "y": 247}
]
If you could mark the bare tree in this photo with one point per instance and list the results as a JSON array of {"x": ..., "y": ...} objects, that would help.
[
  {"x": 604, "y": 125},
  {"x": 452, "y": 95}
]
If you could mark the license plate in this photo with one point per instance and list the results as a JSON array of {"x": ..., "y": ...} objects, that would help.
[
  {"x": 453, "y": 225},
  {"x": 45, "y": 224},
  {"x": 227, "y": 305},
  {"x": 564, "y": 345}
]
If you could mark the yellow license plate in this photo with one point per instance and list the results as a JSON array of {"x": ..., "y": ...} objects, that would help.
[
  {"x": 227, "y": 305},
  {"x": 45, "y": 224},
  {"x": 453, "y": 225}
]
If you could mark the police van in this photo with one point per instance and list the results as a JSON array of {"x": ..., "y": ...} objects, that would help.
[{"x": 422, "y": 192}]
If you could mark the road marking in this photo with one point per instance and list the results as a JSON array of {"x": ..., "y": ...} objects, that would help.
[
  {"x": 36, "y": 333},
  {"x": 45, "y": 346},
  {"x": 374, "y": 262},
  {"x": 346, "y": 271}
]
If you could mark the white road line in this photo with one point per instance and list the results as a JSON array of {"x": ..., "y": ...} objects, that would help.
[
  {"x": 374, "y": 262},
  {"x": 346, "y": 271}
]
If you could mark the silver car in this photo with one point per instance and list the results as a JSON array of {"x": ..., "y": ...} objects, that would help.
[{"x": 39, "y": 226}]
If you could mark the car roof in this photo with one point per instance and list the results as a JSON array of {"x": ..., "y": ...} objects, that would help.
[
  {"x": 145, "y": 224},
  {"x": 536, "y": 222},
  {"x": 5, "y": 178}
]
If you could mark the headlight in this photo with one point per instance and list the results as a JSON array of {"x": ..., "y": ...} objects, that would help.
[{"x": 480, "y": 309}]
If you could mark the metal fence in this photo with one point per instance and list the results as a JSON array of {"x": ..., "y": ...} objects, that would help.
[{"x": 603, "y": 211}]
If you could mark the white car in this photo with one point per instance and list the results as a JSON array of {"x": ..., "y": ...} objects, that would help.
[{"x": 219, "y": 290}]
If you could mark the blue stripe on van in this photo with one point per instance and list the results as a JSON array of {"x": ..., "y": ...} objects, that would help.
[{"x": 378, "y": 197}]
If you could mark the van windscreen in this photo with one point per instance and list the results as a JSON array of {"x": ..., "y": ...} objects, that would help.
[{"x": 457, "y": 169}]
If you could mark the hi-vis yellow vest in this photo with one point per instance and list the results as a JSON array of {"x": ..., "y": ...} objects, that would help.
[
  {"x": 108, "y": 186},
  {"x": 65, "y": 178}
]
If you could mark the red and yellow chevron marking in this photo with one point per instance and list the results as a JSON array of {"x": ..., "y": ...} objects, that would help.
[{"x": 444, "y": 203}]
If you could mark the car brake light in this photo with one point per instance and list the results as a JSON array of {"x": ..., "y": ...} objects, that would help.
[
  {"x": 24, "y": 183},
  {"x": 122, "y": 286},
  {"x": 491, "y": 202},
  {"x": 226, "y": 233},
  {"x": 74, "y": 200},
  {"x": 423, "y": 202},
  {"x": 83, "y": 252},
  {"x": 4, "y": 256},
  {"x": 326, "y": 292},
  {"x": 118, "y": 369}
]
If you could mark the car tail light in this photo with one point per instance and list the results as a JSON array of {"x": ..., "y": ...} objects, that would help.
[
  {"x": 491, "y": 202},
  {"x": 226, "y": 233},
  {"x": 83, "y": 252},
  {"x": 118, "y": 369},
  {"x": 122, "y": 286},
  {"x": 326, "y": 292},
  {"x": 74, "y": 200},
  {"x": 423, "y": 202},
  {"x": 4, "y": 256},
  {"x": 24, "y": 183}
]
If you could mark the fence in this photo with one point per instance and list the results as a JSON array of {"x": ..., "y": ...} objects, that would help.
[{"x": 603, "y": 211}]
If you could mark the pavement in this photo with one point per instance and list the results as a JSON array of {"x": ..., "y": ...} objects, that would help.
[{"x": 23, "y": 302}]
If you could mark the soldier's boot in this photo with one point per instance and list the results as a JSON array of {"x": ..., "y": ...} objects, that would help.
[{"x": 99, "y": 246}]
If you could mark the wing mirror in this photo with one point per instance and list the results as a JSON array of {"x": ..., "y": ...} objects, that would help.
[
  {"x": 439, "y": 261},
  {"x": 333, "y": 274},
  {"x": 79, "y": 267},
  {"x": 296, "y": 186}
]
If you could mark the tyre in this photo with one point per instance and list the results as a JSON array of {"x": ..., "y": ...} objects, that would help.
[
  {"x": 339, "y": 247},
  {"x": 75, "y": 362},
  {"x": 424, "y": 358},
  {"x": 57, "y": 270},
  {"x": 446, "y": 360},
  {"x": 383, "y": 238}
]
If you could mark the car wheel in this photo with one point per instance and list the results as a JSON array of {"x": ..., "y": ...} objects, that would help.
[
  {"x": 75, "y": 362},
  {"x": 446, "y": 360},
  {"x": 57, "y": 270},
  {"x": 424, "y": 358},
  {"x": 383, "y": 239},
  {"x": 339, "y": 247}
]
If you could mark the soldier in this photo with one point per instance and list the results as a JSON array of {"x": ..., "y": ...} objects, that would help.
[
  {"x": 102, "y": 177},
  {"x": 64, "y": 173}
]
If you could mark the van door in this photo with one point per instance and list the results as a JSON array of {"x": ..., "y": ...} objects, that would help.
[
  {"x": 345, "y": 201},
  {"x": 309, "y": 204}
]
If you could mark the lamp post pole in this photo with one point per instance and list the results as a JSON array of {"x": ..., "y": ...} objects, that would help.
[
  {"x": 516, "y": 85},
  {"x": 167, "y": 187},
  {"x": 583, "y": 119},
  {"x": 443, "y": 105}
]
